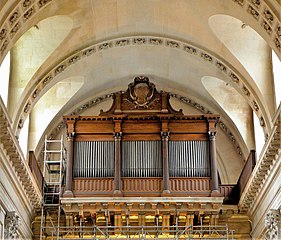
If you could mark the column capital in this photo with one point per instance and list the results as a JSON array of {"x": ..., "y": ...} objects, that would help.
[
  {"x": 165, "y": 135},
  {"x": 12, "y": 223},
  {"x": 118, "y": 135},
  {"x": 212, "y": 135},
  {"x": 70, "y": 136},
  {"x": 273, "y": 224}
]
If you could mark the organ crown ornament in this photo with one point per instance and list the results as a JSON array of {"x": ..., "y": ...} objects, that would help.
[
  {"x": 141, "y": 97},
  {"x": 141, "y": 92}
]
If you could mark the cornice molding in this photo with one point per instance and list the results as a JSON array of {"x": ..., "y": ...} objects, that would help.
[
  {"x": 14, "y": 154},
  {"x": 269, "y": 158}
]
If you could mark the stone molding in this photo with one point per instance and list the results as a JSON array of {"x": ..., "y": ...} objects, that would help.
[
  {"x": 26, "y": 9},
  {"x": 16, "y": 159},
  {"x": 268, "y": 159}
]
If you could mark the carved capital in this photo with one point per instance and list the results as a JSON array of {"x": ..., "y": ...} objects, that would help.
[
  {"x": 70, "y": 136},
  {"x": 118, "y": 135},
  {"x": 165, "y": 135},
  {"x": 212, "y": 136},
  {"x": 273, "y": 224},
  {"x": 12, "y": 223}
]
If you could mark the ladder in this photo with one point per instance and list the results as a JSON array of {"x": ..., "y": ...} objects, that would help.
[{"x": 53, "y": 174}]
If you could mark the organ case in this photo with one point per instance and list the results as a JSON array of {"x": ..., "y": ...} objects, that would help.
[{"x": 141, "y": 146}]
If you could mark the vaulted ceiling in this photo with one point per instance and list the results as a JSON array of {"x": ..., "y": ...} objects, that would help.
[{"x": 212, "y": 56}]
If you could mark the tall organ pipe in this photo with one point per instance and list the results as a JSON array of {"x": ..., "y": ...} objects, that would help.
[
  {"x": 93, "y": 159},
  {"x": 141, "y": 159},
  {"x": 189, "y": 159}
]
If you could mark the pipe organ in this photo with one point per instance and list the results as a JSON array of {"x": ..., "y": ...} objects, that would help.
[{"x": 141, "y": 143}]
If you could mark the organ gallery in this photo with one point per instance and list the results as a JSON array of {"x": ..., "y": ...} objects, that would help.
[{"x": 140, "y": 165}]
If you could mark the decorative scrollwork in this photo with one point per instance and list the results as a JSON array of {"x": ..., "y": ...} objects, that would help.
[
  {"x": 206, "y": 57},
  {"x": 122, "y": 42},
  {"x": 268, "y": 15},
  {"x": 253, "y": 12}
]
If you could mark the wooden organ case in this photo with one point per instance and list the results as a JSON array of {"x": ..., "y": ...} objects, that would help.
[{"x": 141, "y": 147}]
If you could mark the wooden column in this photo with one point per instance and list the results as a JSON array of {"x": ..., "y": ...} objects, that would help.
[
  {"x": 69, "y": 166},
  {"x": 117, "y": 168},
  {"x": 213, "y": 162},
  {"x": 165, "y": 160}
]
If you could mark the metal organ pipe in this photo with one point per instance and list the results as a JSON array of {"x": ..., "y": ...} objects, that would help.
[
  {"x": 141, "y": 159},
  {"x": 93, "y": 159},
  {"x": 189, "y": 159}
]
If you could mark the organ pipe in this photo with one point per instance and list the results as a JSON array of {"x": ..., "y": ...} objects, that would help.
[
  {"x": 93, "y": 159},
  {"x": 141, "y": 159},
  {"x": 189, "y": 159}
]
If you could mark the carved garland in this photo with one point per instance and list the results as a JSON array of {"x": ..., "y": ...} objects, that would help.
[
  {"x": 231, "y": 74},
  {"x": 185, "y": 100}
]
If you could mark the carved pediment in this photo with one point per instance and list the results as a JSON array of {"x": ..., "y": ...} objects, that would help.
[{"x": 141, "y": 97}]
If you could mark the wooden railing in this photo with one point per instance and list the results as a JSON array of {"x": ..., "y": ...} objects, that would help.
[
  {"x": 142, "y": 186},
  {"x": 150, "y": 186},
  {"x": 93, "y": 186},
  {"x": 247, "y": 171},
  {"x": 190, "y": 186},
  {"x": 34, "y": 168}
]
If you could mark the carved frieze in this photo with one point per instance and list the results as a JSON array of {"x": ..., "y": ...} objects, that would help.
[
  {"x": 139, "y": 40},
  {"x": 240, "y": 2},
  {"x": 256, "y": 3},
  {"x": 89, "y": 51},
  {"x": 3, "y": 34},
  {"x": 266, "y": 26},
  {"x": 189, "y": 49},
  {"x": 122, "y": 42}
]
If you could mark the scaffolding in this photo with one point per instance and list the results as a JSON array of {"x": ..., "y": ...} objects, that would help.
[
  {"x": 51, "y": 227},
  {"x": 144, "y": 232},
  {"x": 53, "y": 175}
]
